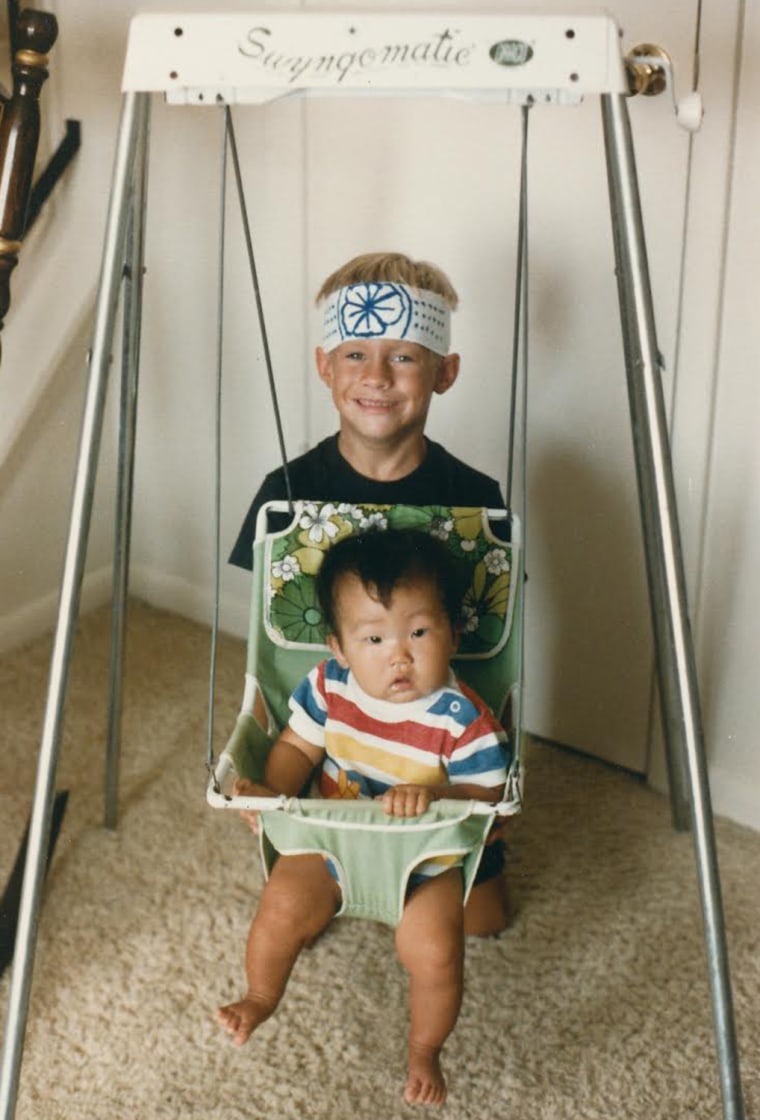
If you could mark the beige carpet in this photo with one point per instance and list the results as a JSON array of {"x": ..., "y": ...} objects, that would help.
[{"x": 594, "y": 1005}]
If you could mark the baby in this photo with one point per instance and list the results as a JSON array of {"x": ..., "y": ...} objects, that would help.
[{"x": 385, "y": 718}]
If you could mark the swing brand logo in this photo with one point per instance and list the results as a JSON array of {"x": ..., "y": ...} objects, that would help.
[
  {"x": 511, "y": 52},
  {"x": 442, "y": 51}
]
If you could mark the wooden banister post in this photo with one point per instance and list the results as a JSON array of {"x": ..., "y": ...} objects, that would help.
[{"x": 35, "y": 34}]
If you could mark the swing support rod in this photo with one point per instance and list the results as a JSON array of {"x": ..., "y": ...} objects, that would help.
[
  {"x": 665, "y": 570},
  {"x": 133, "y": 125},
  {"x": 130, "y": 368}
]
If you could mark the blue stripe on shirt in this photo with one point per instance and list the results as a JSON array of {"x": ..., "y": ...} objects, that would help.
[
  {"x": 456, "y": 707},
  {"x": 306, "y": 698},
  {"x": 334, "y": 671},
  {"x": 492, "y": 759}
]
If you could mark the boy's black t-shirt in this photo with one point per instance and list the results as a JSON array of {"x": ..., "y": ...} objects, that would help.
[{"x": 322, "y": 474}]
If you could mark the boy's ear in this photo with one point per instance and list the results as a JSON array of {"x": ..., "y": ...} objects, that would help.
[
  {"x": 336, "y": 651},
  {"x": 324, "y": 366},
  {"x": 448, "y": 372}
]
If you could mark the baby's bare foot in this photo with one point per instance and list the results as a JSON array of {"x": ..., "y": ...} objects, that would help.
[
  {"x": 241, "y": 1019},
  {"x": 425, "y": 1083}
]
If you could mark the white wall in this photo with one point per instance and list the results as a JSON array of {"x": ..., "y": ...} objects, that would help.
[
  {"x": 53, "y": 291},
  {"x": 317, "y": 196},
  {"x": 35, "y": 496},
  {"x": 47, "y": 334},
  {"x": 329, "y": 179},
  {"x": 729, "y": 601}
]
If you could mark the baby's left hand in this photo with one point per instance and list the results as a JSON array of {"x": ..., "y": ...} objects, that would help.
[{"x": 407, "y": 801}]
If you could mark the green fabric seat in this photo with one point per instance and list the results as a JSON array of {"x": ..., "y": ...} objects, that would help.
[{"x": 346, "y": 832}]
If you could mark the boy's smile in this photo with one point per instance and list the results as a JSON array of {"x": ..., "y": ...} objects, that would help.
[{"x": 382, "y": 388}]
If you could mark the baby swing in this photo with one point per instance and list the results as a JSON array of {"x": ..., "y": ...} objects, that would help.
[
  {"x": 287, "y": 638},
  {"x": 229, "y": 58}
]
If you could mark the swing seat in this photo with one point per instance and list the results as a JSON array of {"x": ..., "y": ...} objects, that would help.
[
  {"x": 346, "y": 833},
  {"x": 287, "y": 638}
]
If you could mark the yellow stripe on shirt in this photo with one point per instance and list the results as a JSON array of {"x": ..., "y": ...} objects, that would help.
[{"x": 353, "y": 752}]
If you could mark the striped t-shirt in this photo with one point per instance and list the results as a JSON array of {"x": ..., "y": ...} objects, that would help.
[{"x": 450, "y": 736}]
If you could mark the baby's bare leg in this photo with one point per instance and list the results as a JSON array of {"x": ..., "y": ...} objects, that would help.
[
  {"x": 297, "y": 903},
  {"x": 430, "y": 945}
]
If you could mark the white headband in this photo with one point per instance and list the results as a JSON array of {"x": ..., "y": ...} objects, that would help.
[{"x": 380, "y": 309}]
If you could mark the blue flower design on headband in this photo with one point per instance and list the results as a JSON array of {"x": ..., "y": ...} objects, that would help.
[{"x": 369, "y": 310}]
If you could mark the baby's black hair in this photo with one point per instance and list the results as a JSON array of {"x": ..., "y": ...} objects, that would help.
[{"x": 384, "y": 558}]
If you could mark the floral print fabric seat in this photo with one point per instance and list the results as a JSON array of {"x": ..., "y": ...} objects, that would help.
[{"x": 293, "y": 618}]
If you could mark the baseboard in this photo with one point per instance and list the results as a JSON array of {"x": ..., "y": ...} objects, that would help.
[
  {"x": 735, "y": 798},
  {"x": 172, "y": 593},
  {"x": 732, "y": 797},
  {"x": 167, "y": 592},
  {"x": 35, "y": 619}
]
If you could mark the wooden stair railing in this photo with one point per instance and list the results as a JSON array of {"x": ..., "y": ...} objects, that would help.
[{"x": 35, "y": 35}]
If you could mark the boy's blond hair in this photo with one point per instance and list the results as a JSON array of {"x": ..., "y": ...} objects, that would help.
[{"x": 394, "y": 268}]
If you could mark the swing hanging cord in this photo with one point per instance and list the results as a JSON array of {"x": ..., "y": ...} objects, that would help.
[
  {"x": 229, "y": 144},
  {"x": 519, "y": 400},
  {"x": 230, "y": 135},
  {"x": 520, "y": 334},
  {"x": 210, "y": 763}
]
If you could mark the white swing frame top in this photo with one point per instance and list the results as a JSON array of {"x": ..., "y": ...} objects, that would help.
[{"x": 255, "y": 57}]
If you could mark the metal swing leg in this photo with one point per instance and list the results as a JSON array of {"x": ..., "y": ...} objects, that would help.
[
  {"x": 133, "y": 125},
  {"x": 667, "y": 586}
]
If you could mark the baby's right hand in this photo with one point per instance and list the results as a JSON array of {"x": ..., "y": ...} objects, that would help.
[{"x": 407, "y": 800}]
